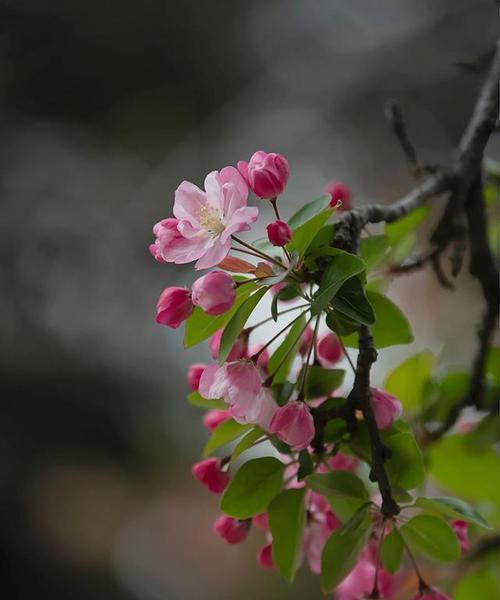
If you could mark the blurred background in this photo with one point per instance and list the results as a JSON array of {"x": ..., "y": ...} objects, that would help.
[{"x": 104, "y": 108}]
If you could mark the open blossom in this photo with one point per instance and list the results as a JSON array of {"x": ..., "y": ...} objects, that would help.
[
  {"x": 293, "y": 424},
  {"x": 386, "y": 408},
  {"x": 265, "y": 557},
  {"x": 339, "y": 191},
  {"x": 205, "y": 220},
  {"x": 431, "y": 594},
  {"x": 213, "y": 418},
  {"x": 174, "y": 306},
  {"x": 239, "y": 349},
  {"x": 328, "y": 349},
  {"x": 239, "y": 384},
  {"x": 279, "y": 233},
  {"x": 460, "y": 528},
  {"x": 233, "y": 531},
  {"x": 194, "y": 374},
  {"x": 209, "y": 473},
  {"x": 265, "y": 173},
  {"x": 322, "y": 523},
  {"x": 263, "y": 356},
  {"x": 214, "y": 293}
]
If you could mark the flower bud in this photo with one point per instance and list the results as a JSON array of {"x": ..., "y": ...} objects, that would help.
[
  {"x": 460, "y": 528},
  {"x": 339, "y": 191},
  {"x": 305, "y": 340},
  {"x": 328, "y": 350},
  {"x": 343, "y": 462},
  {"x": 279, "y": 233},
  {"x": 266, "y": 174},
  {"x": 232, "y": 530},
  {"x": 239, "y": 349},
  {"x": 213, "y": 418},
  {"x": 214, "y": 293},
  {"x": 263, "y": 356},
  {"x": 265, "y": 557},
  {"x": 209, "y": 473},
  {"x": 194, "y": 373},
  {"x": 386, "y": 408},
  {"x": 293, "y": 424},
  {"x": 174, "y": 306},
  {"x": 261, "y": 521}
]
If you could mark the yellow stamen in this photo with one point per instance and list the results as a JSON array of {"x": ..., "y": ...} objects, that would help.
[{"x": 211, "y": 220}]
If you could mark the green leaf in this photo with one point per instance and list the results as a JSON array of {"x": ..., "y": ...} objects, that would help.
[
  {"x": 195, "y": 399},
  {"x": 287, "y": 348},
  {"x": 340, "y": 324},
  {"x": 253, "y": 487},
  {"x": 431, "y": 536},
  {"x": 225, "y": 432},
  {"x": 405, "y": 468},
  {"x": 352, "y": 302},
  {"x": 247, "y": 441},
  {"x": 373, "y": 250},
  {"x": 303, "y": 235},
  {"x": 282, "y": 392},
  {"x": 321, "y": 382},
  {"x": 470, "y": 473},
  {"x": 344, "y": 508},
  {"x": 341, "y": 484},
  {"x": 397, "y": 230},
  {"x": 452, "y": 508},
  {"x": 342, "y": 267},
  {"x": 306, "y": 465},
  {"x": 478, "y": 585},
  {"x": 308, "y": 211},
  {"x": 237, "y": 323},
  {"x": 287, "y": 517},
  {"x": 391, "y": 327},
  {"x": 200, "y": 326},
  {"x": 392, "y": 551},
  {"x": 409, "y": 380},
  {"x": 493, "y": 364},
  {"x": 341, "y": 553}
]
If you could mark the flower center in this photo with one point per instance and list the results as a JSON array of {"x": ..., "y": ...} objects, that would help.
[{"x": 211, "y": 220}]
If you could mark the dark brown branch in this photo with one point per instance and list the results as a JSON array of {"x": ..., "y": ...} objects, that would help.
[{"x": 394, "y": 115}]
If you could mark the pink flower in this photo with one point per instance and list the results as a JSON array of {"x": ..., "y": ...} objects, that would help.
[
  {"x": 328, "y": 350},
  {"x": 232, "y": 530},
  {"x": 265, "y": 557},
  {"x": 279, "y": 233},
  {"x": 461, "y": 531},
  {"x": 386, "y": 408},
  {"x": 322, "y": 522},
  {"x": 239, "y": 349},
  {"x": 305, "y": 340},
  {"x": 194, "y": 374},
  {"x": 293, "y": 424},
  {"x": 266, "y": 174},
  {"x": 209, "y": 473},
  {"x": 213, "y": 418},
  {"x": 205, "y": 220},
  {"x": 174, "y": 306},
  {"x": 358, "y": 583},
  {"x": 343, "y": 462},
  {"x": 240, "y": 384},
  {"x": 214, "y": 293},
  {"x": 261, "y": 521},
  {"x": 339, "y": 191},
  {"x": 431, "y": 594},
  {"x": 263, "y": 356}
]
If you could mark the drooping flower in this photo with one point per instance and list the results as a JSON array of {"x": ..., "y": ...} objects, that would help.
[
  {"x": 233, "y": 531},
  {"x": 293, "y": 424},
  {"x": 205, "y": 220},
  {"x": 305, "y": 340},
  {"x": 328, "y": 349},
  {"x": 461, "y": 531},
  {"x": 343, "y": 462},
  {"x": 279, "y": 233},
  {"x": 213, "y": 418},
  {"x": 386, "y": 408},
  {"x": 194, "y": 374},
  {"x": 174, "y": 306},
  {"x": 265, "y": 173},
  {"x": 209, "y": 473},
  {"x": 339, "y": 191},
  {"x": 265, "y": 557},
  {"x": 263, "y": 358},
  {"x": 261, "y": 521},
  {"x": 239, "y": 349},
  {"x": 214, "y": 293},
  {"x": 322, "y": 522}
]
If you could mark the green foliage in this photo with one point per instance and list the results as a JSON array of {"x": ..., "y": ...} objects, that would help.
[
  {"x": 452, "y": 508},
  {"x": 352, "y": 302},
  {"x": 195, "y": 399},
  {"x": 237, "y": 322},
  {"x": 405, "y": 467},
  {"x": 308, "y": 211},
  {"x": 322, "y": 382},
  {"x": 431, "y": 536},
  {"x": 392, "y": 551},
  {"x": 340, "y": 324},
  {"x": 225, "y": 432},
  {"x": 287, "y": 517},
  {"x": 373, "y": 250},
  {"x": 287, "y": 349},
  {"x": 253, "y": 487},
  {"x": 409, "y": 380},
  {"x": 397, "y": 230},
  {"x": 303, "y": 235},
  {"x": 478, "y": 585},
  {"x": 247, "y": 442},
  {"x": 306, "y": 465},
  {"x": 341, "y": 484}
]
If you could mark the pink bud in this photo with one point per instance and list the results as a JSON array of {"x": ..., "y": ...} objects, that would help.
[
  {"x": 461, "y": 531},
  {"x": 174, "y": 306},
  {"x": 431, "y": 594},
  {"x": 343, "y": 462},
  {"x": 386, "y": 408},
  {"x": 214, "y": 293},
  {"x": 209, "y": 473},
  {"x": 328, "y": 350},
  {"x": 263, "y": 356},
  {"x": 266, "y": 174},
  {"x": 194, "y": 373},
  {"x": 261, "y": 521},
  {"x": 279, "y": 233},
  {"x": 239, "y": 349},
  {"x": 232, "y": 530},
  {"x": 265, "y": 557},
  {"x": 166, "y": 234},
  {"x": 339, "y": 191},
  {"x": 293, "y": 424},
  {"x": 213, "y": 418},
  {"x": 305, "y": 340}
]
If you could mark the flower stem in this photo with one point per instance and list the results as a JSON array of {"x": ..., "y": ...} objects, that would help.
[
  {"x": 375, "y": 591},
  {"x": 422, "y": 584},
  {"x": 257, "y": 251},
  {"x": 283, "y": 312},
  {"x": 308, "y": 358},
  {"x": 255, "y": 356},
  {"x": 349, "y": 359}
]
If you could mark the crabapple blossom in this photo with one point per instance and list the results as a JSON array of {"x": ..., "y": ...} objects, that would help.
[
  {"x": 209, "y": 473},
  {"x": 328, "y": 349},
  {"x": 214, "y": 293},
  {"x": 386, "y": 408},
  {"x": 293, "y": 424},
  {"x": 239, "y": 349},
  {"x": 263, "y": 358},
  {"x": 265, "y": 556},
  {"x": 279, "y": 233},
  {"x": 265, "y": 173},
  {"x": 461, "y": 531},
  {"x": 305, "y": 340},
  {"x": 343, "y": 462},
  {"x": 174, "y": 306},
  {"x": 261, "y": 521},
  {"x": 233, "y": 531},
  {"x": 194, "y": 374},
  {"x": 321, "y": 524},
  {"x": 213, "y": 418},
  {"x": 339, "y": 191}
]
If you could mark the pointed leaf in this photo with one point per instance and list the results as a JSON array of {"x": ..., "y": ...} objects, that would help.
[
  {"x": 195, "y": 399},
  {"x": 392, "y": 551},
  {"x": 352, "y": 302},
  {"x": 322, "y": 382},
  {"x": 303, "y": 235},
  {"x": 247, "y": 441},
  {"x": 287, "y": 348},
  {"x": 225, "y": 432},
  {"x": 341, "y": 484},
  {"x": 431, "y": 536},
  {"x": 453, "y": 508},
  {"x": 308, "y": 211}
]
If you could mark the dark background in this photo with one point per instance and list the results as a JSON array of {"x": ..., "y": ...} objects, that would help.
[{"x": 104, "y": 108}]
